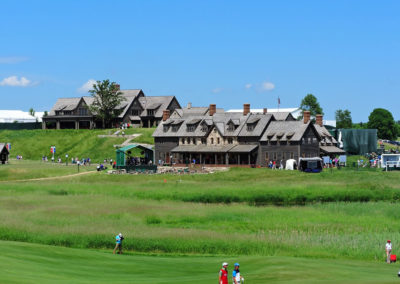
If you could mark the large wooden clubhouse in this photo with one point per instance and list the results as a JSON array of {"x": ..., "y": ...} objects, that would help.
[
  {"x": 136, "y": 109},
  {"x": 209, "y": 136}
]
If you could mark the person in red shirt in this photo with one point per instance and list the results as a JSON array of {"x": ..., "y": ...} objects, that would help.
[{"x": 223, "y": 274}]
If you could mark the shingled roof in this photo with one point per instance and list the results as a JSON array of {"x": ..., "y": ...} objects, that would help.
[
  {"x": 220, "y": 121},
  {"x": 285, "y": 131},
  {"x": 157, "y": 103},
  {"x": 326, "y": 136}
]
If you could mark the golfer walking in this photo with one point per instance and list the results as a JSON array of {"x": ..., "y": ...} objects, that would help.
[
  {"x": 118, "y": 243},
  {"x": 237, "y": 278},
  {"x": 223, "y": 274},
  {"x": 388, "y": 251}
]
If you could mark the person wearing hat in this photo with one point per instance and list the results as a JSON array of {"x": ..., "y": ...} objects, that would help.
[
  {"x": 118, "y": 243},
  {"x": 237, "y": 278},
  {"x": 388, "y": 250},
  {"x": 223, "y": 274}
]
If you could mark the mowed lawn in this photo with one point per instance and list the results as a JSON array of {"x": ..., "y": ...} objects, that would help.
[{"x": 32, "y": 263}]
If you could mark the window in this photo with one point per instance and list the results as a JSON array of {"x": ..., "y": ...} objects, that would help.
[
  {"x": 183, "y": 140},
  {"x": 188, "y": 140},
  {"x": 314, "y": 140},
  {"x": 212, "y": 140},
  {"x": 67, "y": 112},
  {"x": 218, "y": 140},
  {"x": 215, "y": 130},
  {"x": 203, "y": 141},
  {"x": 231, "y": 127},
  {"x": 150, "y": 112},
  {"x": 83, "y": 111},
  {"x": 135, "y": 112},
  {"x": 175, "y": 128},
  {"x": 266, "y": 156},
  {"x": 165, "y": 128},
  {"x": 230, "y": 140},
  {"x": 250, "y": 127},
  {"x": 57, "y": 112},
  {"x": 194, "y": 141},
  {"x": 291, "y": 155},
  {"x": 191, "y": 127}
]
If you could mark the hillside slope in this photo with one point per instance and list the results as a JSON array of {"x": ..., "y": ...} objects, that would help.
[{"x": 33, "y": 144}]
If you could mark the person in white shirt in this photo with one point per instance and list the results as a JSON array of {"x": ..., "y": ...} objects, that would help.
[{"x": 388, "y": 251}]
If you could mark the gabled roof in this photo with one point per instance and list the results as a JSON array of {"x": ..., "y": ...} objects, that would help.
[
  {"x": 65, "y": 104},
  {"x": 3, "y": 148},
  {"x": 326, "y": 136},
  {"x": 220, "y": 121},
  {"x": 158, "y": 103},
  {"x": 286, "y": 130},
  {"x": 282, "y": 115}
]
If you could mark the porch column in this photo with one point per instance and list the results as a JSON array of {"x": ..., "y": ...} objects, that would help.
[
  {"x": 215, "y": 157},
  {"x": 57, "y": 124},
  {"x": 238, "y": 159},
  {"x": 190, "y": 158},
  {"x": 249, "y": 158},
  {"x": 201, "y": 160},
  {"x": 149, "y": 123},
  {"x": 227, "y": 159},
  {"x": 43, "y": 124},
  {"x": 77, "y": 124}
]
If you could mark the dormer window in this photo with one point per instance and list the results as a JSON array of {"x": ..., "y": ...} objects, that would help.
[
  {"x": 231, "y": 127},
  {"x": 204, "y": 127},
  {"x": 251, "y": 126},
  {"x": 230, "y": 140},
  {"x": 150, "y": 112},
  {"x": 175, "y": 128},
  {"x": 165, "y": 128},
  {"x": 83, "y": 111},
  {"x": 191, "y": 127},
  {"x": 67, "y": 112}
]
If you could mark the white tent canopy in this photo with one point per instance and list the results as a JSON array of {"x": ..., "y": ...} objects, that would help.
[{"x": 19, "y": 116}]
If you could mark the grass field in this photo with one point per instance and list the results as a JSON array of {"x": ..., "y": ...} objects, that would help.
[
  {"x": 83, "y": 143},
  {"x": 30, "y": 263},
  {"x": 282, "y": 225}
]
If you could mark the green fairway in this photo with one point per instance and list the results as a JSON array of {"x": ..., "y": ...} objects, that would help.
[{"x": 30, "y": 263}]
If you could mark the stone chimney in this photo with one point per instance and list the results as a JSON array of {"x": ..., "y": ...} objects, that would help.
[
  {"x": 306, "y": 116},
  {"x": 117, "y": 87},
  {"x": 246, "y": 109},
  {"x": 165, "y": 114},
  {"x": 213, "y": 109},
  {"x": 189, "y": 105},
  {"x": 265, "y": 110},
  {"x": 318, "y": 119}
]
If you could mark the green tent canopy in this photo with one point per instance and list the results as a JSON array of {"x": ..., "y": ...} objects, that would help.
[
  {"x": 123, "y": 152},
  {"x": 359, "y": 141}
]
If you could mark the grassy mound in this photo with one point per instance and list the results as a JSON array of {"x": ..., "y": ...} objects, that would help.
[
  {"x": 29, "y": 263},
  {"x": 33, "y": 144}
]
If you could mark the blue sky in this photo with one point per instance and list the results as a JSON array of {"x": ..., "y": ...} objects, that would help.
[{"x": 346, "y": 53}]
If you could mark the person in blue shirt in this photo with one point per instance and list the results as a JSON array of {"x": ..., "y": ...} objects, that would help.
[
  {"x": 118, "y": 243},
  {"x": 237, "y": 278}
]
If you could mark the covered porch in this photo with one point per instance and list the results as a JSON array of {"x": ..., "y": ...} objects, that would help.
[{"x": 215, "y": 155}]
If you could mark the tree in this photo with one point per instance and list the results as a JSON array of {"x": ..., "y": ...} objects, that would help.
[
  {"x": 32, "y": 111},
  {"x": 382, "y": 120},
  {"x": 311, "y": 104},
  {"x": 107, "y": 98},
  {"x": 45, "y": 113},
  {"x": 343, "y": 119}
]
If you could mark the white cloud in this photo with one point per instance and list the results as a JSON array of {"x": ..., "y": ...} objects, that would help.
[
  {"x": 87, "y": 86},
  {"x": 248, "y": 86},
  {"x": 217, "y": 90},
  {"x": 267, "y": 86},
  {"x": 12, "y": 59},
  {"x": 13, "y": 81}
]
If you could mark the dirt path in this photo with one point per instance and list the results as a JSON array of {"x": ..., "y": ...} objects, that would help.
[{"x": 49, "y": 178}]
